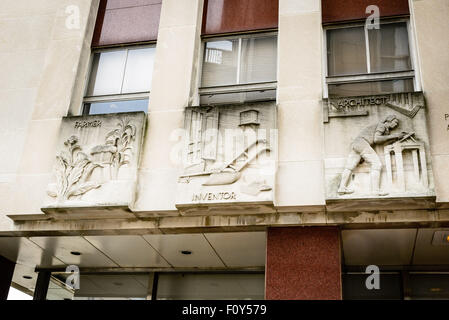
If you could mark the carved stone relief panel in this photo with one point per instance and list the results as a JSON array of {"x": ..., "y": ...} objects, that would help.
[
  {"x": 377, "y": 146},
  {"x": 229, "y": 155},
  {"x": 96, "y": 161}
]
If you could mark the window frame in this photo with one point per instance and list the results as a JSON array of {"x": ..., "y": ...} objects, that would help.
[
  {"x": 412, "y": 74},
  {"x": 89, "y": 99},
  {"x": 239, "y": 87}
]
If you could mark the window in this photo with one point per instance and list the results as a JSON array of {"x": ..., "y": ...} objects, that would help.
[
  {"x": 364, "y": 61},
  {"x": 211, "y": 286},
  {"x": 120, "y": 80},
  {"x": 354, "y": 286},
  {"x": 429, "y": 285},
  {"x": 239, "y": 69},
  {"x": 165, "y": 286}
]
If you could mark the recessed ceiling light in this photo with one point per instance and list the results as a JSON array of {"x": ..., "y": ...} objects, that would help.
[
  {"x": 186, "y": 252},
  {"x": 27, "y": 277},
  {"x": 75, "y": 253}
]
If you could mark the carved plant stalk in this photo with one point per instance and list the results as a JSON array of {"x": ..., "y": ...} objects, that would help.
[
  {"x": 73, "y": 171},
  {"x": 121, "y": 138}
]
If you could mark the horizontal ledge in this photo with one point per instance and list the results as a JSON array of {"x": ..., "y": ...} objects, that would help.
[
  {"x": 114, "y": 97},
  {"x": 118, "y": 211},
  {"x": 240, "y": 34},
  {"x": 375, "y": 219},
  {"x": 28, "y": 217},
  {"x": 127, "y": 270},
  {"x": 238, "y": 88},
  {"x": 320, "y": 208},
  {"x": 426, "y": 269},
  {"x": 350, "y": 205},
  {"x": 381, "y": 203},
  {"x": 370, "y": 77},
  {"x": 225, "y": 204}
]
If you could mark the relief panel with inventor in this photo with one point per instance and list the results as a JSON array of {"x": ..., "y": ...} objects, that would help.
[{"x": 229, "y": 155}]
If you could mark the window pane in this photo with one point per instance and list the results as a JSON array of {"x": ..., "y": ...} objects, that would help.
[
  {"x": 429, "y": 286},
  {"x": 346, "y": 51},
  {"x": 118, "y": 106},
  {"x": 368, "y": 88},
  {"x": 220, "y": 63},
  {"x": 112, "y": 287},
  {"x": 107, "y": 73},
  {"x": 389, "y": 50},
  {"x": 258, "y": 61},
  {"x": 193, "y": 286},
  {"x": 354, "y": 287},
  {"x": 100, "y": 287},
  {"x": 139, "y": 70}
]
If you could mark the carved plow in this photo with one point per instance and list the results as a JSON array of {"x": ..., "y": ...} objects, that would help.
[{"x": 230, "y": 172}]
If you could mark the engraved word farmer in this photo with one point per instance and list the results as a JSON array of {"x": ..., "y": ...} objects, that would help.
[{"x": 362, "y": 148}]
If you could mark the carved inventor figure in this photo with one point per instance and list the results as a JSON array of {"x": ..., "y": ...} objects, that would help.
[{"x": 362, "y": 148}]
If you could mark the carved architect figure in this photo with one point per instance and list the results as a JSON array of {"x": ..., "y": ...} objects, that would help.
[{"x": 362, "y": 148}]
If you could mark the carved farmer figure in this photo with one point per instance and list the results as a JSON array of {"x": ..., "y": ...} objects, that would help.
[{"x": 362, "y": 148}]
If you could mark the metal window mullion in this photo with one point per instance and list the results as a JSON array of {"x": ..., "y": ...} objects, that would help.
[
  {"x": 368, "y": 60},
  {"x": 201, "y": 60},
  {"x": 115, "y": 97},
  {"x": 325, "y": 65},
  {"x": 124, "y": 70},
  {"x": 263, "y": 86},
  {"x": 239, "y": 60}
]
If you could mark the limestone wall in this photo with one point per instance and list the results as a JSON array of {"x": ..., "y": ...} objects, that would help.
[
  {"x": 431, "y": 23},
  {"x": 41, "y": 43},
  {"x": 44, "y": 60}
]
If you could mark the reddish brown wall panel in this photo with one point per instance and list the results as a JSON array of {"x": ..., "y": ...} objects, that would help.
[
  {"x": 224, "y": 16},
  {"x": 126, "y": 21},
  {"x": 303, "y": 263},
  {"x": 344, "y": 10}
]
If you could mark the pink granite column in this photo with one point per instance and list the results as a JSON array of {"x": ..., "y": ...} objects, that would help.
[{"x": 303, "y": 263}]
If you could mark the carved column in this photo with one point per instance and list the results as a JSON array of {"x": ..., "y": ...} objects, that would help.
[
  {"x": 422, "y": 158},
  {"x": 417, "y": 149},
  {"x": 399, "y": 167},
  {"x": 387, "y": 151}
]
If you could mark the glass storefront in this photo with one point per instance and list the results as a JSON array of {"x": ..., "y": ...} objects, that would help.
[
  {"x": 393, "y": 285},
  {"x": 194, "y": 286},
  {"x": 164, "y": 286},
  {"x": 398, "y": 286}
]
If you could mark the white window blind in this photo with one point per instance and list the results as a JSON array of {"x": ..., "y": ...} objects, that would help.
[
  {"x": 121, "y": 71},
  {"x": 240, "y": 61}
]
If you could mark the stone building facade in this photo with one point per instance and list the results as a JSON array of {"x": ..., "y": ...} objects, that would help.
[{"x": 220, "y": 149}]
